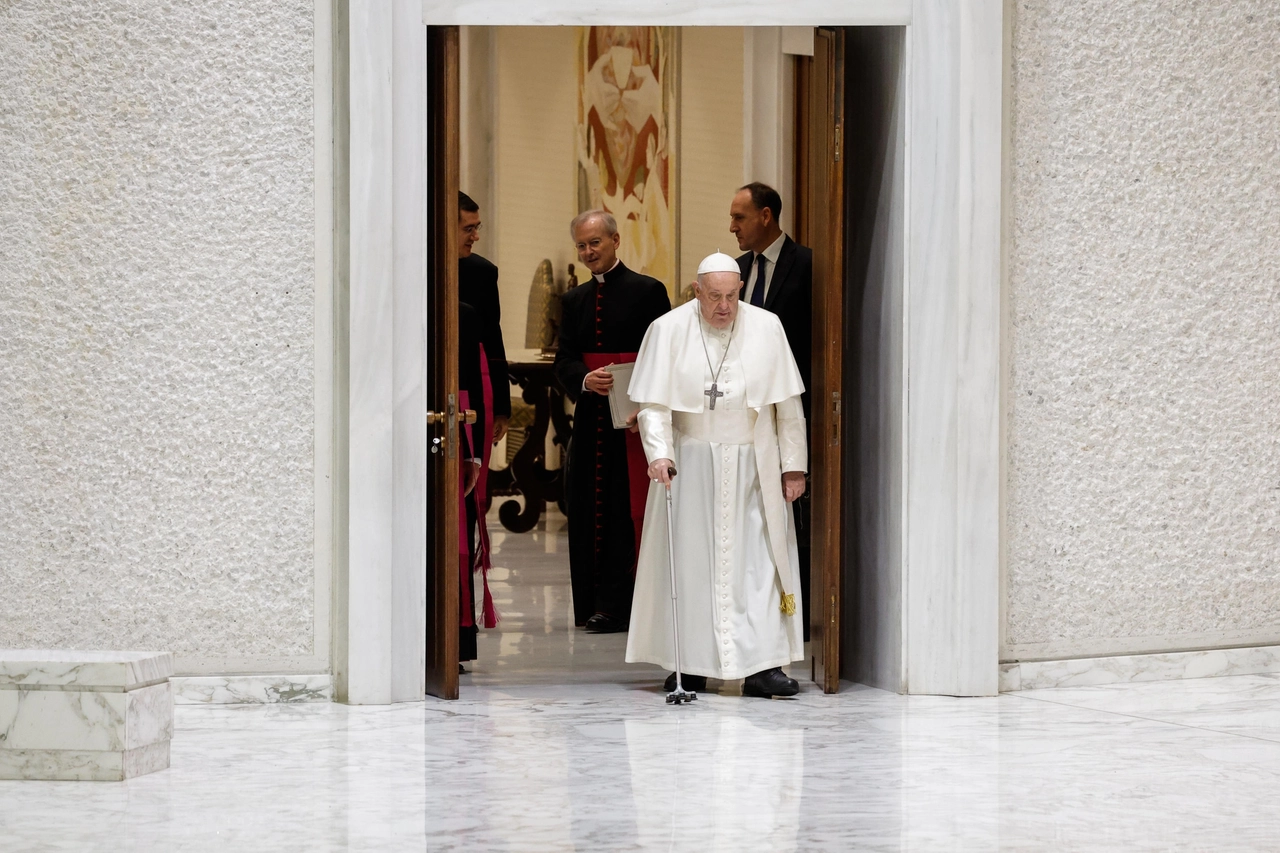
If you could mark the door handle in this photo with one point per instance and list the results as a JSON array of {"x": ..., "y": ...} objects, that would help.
[
  {"x": 449, "y": 420},
  {"x": 468, "y": 417}
]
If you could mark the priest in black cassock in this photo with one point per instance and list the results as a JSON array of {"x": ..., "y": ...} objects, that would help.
[
  {"x": 472, "y": 385},
  {"x": 604, "y": 321},
  {"x": 478, "y": 287}
]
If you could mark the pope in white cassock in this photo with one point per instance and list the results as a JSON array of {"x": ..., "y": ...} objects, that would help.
[{"x": 720, "y": 402}]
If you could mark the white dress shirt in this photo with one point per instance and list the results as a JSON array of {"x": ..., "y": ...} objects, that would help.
[{"x": 771, "y": 261}]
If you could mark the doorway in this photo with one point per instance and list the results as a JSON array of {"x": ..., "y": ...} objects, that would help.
[
  {"x": 936, "y": 510},
  {"x": 518, "y": 88}
]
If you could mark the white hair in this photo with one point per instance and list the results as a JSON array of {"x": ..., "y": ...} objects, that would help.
[{"x": 610, "y": 224}]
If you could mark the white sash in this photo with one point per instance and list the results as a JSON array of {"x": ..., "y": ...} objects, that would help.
[{"x": 755, "y": 427}]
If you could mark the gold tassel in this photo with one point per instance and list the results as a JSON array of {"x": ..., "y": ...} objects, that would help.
[{"x": 789, "y": 604}]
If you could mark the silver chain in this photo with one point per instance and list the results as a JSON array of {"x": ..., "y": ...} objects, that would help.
[{"x": 715, "y": 375}]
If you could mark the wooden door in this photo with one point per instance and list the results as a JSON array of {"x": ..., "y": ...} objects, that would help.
[
  {"x": 820, "y": 225},
  {"x": 442, "y": 367}
]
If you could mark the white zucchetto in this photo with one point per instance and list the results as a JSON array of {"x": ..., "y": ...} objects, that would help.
[{"x": 718, "y": 262}]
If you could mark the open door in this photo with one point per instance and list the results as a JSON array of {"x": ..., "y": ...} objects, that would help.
[
  {"x": 442, "y": 367},
  {"x": 820, "y": 225}
]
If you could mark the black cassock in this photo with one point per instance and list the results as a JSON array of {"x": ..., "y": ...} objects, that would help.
[
  {"x": 601, "y": 320},
  {"x": 470, "y": 334},
  {"x": 478, "y": 287}
]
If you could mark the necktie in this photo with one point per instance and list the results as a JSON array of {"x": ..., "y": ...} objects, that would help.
[{"x": 757, "y": 295}]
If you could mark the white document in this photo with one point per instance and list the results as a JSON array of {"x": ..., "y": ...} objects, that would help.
[{"x": 620, "y": 405}]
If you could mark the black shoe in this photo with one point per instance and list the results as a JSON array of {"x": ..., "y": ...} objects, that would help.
[
  {"x": 603, "y": 623},
  {"x": 771, "y": 682},
  {"x": 696, "y": 683}
]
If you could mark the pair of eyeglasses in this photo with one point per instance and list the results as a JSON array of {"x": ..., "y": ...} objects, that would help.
[{"x": 472, "y": 229}]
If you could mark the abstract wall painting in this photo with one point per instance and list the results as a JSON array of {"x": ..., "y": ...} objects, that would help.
[{"x": 626, "y": 134}]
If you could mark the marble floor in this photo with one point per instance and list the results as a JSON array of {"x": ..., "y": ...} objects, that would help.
[{"x": 556, "y": 746}]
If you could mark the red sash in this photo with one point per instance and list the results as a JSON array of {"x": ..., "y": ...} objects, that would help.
[
  {"x": 482, "y": 448},
  {"x": 483, "y": 560},
  {"x": 465, "y": 617},
  {"x": 637, "y": 464}
]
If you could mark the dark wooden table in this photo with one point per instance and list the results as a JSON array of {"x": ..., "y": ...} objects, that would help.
[{"x": 528, "y": 475}]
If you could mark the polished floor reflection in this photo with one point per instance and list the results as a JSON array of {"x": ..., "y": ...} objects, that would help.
[{"x": 558, "y": 746}]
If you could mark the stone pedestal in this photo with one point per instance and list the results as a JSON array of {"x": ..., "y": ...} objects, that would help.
[{"x": 67, "y": 715}]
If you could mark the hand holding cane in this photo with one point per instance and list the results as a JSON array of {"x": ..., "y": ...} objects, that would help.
[{"x": 679, "y": 695}]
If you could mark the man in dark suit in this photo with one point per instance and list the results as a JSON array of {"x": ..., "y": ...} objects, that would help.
[
  {"x": 478, "y": 287},
  {"x": 788, "y": 269},
  {"x": 604, "y": 321},
  {"x": 777, "y": 275}
]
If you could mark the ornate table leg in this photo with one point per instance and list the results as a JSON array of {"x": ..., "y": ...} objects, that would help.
[{"x": 528, "y": 469}]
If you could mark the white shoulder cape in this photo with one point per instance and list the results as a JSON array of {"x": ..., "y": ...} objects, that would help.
[{"x": 671, "y": 365}]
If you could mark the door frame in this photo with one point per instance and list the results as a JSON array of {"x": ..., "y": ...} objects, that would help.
[
  {"x": 820, "y": 225},
  {"x": 951, "y": 290}
]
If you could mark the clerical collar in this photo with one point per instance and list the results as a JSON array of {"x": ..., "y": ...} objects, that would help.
[
  {"x": 775, "y": 249},
  {"x": 600, "y": 276}
]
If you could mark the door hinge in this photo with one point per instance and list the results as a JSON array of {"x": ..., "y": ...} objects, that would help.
[
  {"x": 838, "y": 141},
  {"x": 833, "y": 608},
  {"x": 836, "y": 409}
]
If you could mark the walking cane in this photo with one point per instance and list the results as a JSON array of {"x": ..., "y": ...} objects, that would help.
[{"x": 679, "y": 695}]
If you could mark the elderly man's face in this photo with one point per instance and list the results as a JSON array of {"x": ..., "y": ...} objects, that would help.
[
  {"x": 597, "y": 248},
  {"x": 717, "y": 294}
]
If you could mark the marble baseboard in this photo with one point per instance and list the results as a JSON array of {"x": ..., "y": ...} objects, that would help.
[
  {"x": 1169, "y": 666},
  {"x": 252, "y": 689},
  {"x": 71, "y": 765}
]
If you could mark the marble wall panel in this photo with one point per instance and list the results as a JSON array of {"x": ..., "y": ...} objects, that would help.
[
  {"x": 952, "y": 361},
  {"x": 385, "y": 633},
  {"x": 1143, "y": 509},
  {"x": 156, "y": 328}
]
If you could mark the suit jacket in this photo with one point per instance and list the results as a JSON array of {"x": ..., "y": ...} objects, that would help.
[
  {"x": 790, "y": 296},
  {"x": 478, "y": 287}
]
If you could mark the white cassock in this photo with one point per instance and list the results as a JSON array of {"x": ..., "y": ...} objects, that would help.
[{"x": 735, "y": 539}]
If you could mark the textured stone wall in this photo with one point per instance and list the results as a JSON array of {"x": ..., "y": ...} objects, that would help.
[
  {"x": 1144, "y": 399},
  {"x": 156, "y": 327}
]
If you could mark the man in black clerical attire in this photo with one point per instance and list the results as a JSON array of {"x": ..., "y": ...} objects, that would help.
[
  {"x": 471, "y": 381},
  {"x": 604, "y": 321},
  {"x": 478, "y": 287},
  {"x": 777, "y": 275}
]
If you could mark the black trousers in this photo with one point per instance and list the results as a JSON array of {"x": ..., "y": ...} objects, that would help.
[
  {"x": 602, "y": 546},
  {"x": 467, "y": 634}
]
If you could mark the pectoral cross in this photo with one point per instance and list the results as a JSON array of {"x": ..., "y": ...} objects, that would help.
[{"x": 713, "y": 394}]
